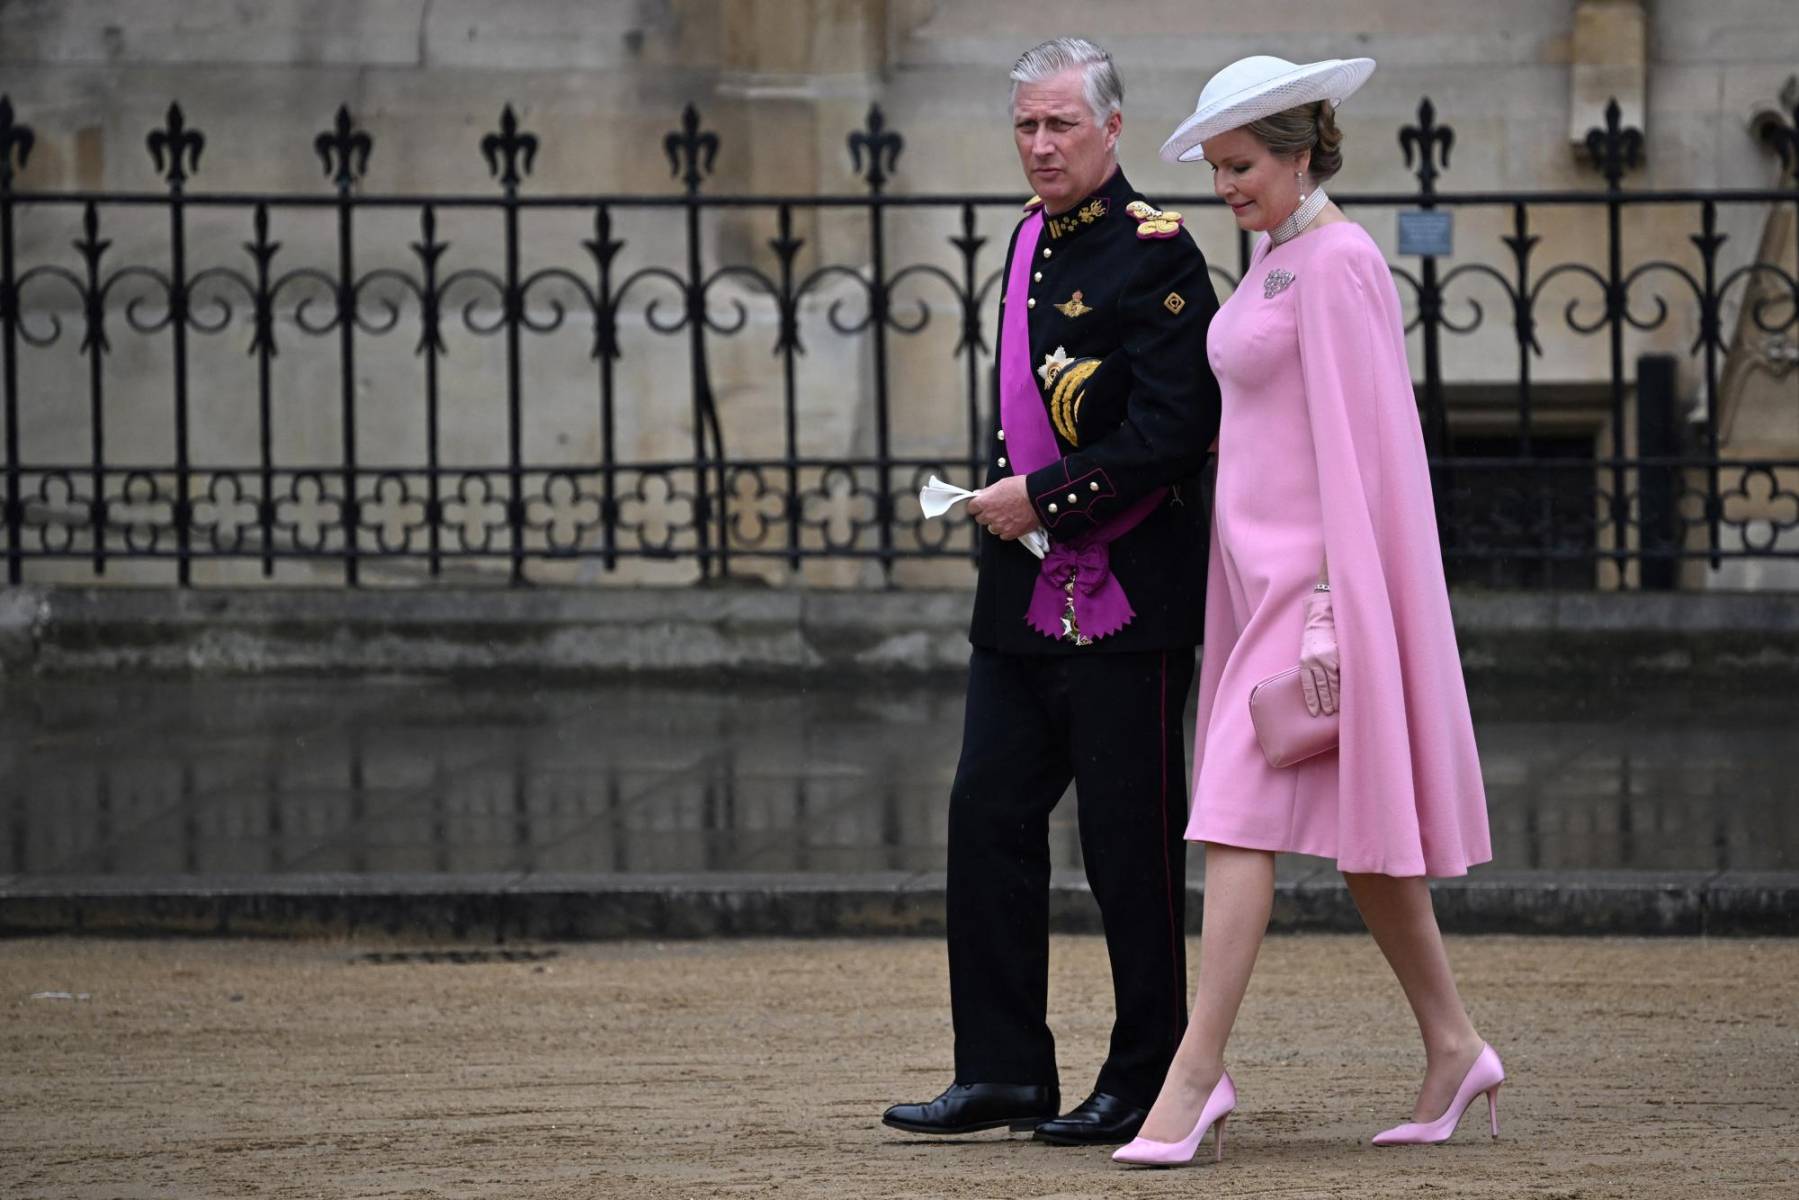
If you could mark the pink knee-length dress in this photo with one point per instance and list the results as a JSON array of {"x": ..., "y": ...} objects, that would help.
[{"x": 1320, "y": 453}]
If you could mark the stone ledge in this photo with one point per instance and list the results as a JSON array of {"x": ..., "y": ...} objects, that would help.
[
  {"x": 585, "y": 907},
  {"x": 777, "y": 633}
]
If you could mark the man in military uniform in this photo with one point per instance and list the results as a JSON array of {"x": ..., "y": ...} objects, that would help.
[{"x": 1082, "y": 660}]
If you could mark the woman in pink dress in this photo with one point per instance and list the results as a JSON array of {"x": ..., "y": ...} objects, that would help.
[{"x": 1325, "y": 555}]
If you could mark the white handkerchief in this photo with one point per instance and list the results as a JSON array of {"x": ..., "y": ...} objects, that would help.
[{"x": 937, "y": 497}]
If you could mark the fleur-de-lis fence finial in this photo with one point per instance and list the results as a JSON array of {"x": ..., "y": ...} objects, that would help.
[
  {"x": 879, "y": 143},
  {"x": 177, "y": 143},
  {"x": 604, "y": 248},
  {"x": 969, "y": 245},
  {"x": 429, "y": 250},
  {"x": 1429, "y": 141},
  {"x": 690, "y": 150},
  {"x": 92, "y": 247},
  {"x": 1615, "y": 149},
  {"x": 13, "y": 137},
  {"x": 344, "y": 149},
  {"x": 518, "y": 150}
]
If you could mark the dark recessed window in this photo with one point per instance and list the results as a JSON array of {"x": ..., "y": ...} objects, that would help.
[{"x": 1519, "y": 516}]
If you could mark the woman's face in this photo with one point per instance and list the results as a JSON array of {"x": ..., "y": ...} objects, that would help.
[{"x": 1261, "y": 189}]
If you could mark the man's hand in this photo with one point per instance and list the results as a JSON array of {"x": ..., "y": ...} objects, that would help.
[{"x": 1004, "y": 508}]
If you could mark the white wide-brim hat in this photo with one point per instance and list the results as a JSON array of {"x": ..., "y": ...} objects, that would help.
[{"x": 1260, "y": 86}]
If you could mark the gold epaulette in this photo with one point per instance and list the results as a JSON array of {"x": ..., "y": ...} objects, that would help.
[
  {"x": 1153, "y": 223},
  {"x": 1035, "y": 202},
  {"x": 1065, "y": 397}
]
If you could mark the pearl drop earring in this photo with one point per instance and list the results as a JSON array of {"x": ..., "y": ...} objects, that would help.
[{"x": 1301, "y": 179}]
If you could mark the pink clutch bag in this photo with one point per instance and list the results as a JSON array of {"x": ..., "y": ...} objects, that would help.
[{"x": 1288, "y": 733}]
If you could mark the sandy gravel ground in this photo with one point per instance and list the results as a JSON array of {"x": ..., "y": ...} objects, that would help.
[{"x": 1640, "y": 1069}]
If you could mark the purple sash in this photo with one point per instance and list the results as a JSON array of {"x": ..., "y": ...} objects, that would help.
[{"x": 1101, "y": 607}]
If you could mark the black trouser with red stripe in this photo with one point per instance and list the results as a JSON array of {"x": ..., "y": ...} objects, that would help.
[{"x": 1113, "y": 724}]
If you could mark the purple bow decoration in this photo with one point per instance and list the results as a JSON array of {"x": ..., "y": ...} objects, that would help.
[{"x": 1100, "y": 605}]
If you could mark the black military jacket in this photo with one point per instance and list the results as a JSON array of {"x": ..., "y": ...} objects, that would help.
[{"x": 1099, "y": 288}]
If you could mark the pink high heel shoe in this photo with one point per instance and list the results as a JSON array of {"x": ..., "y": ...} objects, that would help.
[
  {"x": 1485, "y": 1075},
  {"x": 1219, "y": 1105}
]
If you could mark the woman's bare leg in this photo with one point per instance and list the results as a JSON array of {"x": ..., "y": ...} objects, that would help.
[
  {"x": 1398, "y": 913},
  {"x": 1239, "y": 899}
]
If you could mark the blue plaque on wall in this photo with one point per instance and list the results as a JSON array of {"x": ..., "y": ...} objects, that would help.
[{"x": 1427, "y": 231}]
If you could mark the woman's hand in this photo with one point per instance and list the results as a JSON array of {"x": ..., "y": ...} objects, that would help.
[{"x": 1318, "y": 674}]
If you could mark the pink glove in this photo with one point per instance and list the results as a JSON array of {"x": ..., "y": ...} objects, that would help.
[{"x": 1318, "y": 656}]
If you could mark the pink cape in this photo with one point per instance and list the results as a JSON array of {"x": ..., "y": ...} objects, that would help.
[{"x": 1407, "y": 792}]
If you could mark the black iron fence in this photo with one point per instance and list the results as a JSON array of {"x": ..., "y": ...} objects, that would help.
[{"x": 111, "y": 457}]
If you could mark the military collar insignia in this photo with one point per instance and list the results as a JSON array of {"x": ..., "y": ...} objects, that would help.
[
  {"x": 1077, "y": 219},
  {"x": 1072, "y": 307},
  {"x": 1053, "y": 364},
  {"x": 1152, "y": 221}
]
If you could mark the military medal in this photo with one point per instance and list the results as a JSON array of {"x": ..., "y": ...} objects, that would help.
[
  {"x": 1071, "y": 625},
  {"x": 1072, "y": 307},
  {"x": 1052, "y": 365}
]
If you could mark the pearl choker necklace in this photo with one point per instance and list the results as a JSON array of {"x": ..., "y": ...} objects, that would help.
[{"x": 1302, "y": 216}]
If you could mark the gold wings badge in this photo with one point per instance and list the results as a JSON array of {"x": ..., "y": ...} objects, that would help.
[{"x": 1072, "y": 307}]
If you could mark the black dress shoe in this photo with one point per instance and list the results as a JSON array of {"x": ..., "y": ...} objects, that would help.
[
  {"x": 972, "y": 1107},
  {"x": 1099, "y": 1120}
]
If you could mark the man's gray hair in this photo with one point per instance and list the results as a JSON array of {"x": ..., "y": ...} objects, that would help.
[{"x": 1099, "y": 78}]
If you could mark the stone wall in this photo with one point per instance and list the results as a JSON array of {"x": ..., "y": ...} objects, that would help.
[{"x": 790, "y": 635}]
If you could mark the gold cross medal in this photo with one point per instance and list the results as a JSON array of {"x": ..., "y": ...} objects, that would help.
[
  {"x": 1052, "y": 365},
  {"x": 1072, "y": 307}
]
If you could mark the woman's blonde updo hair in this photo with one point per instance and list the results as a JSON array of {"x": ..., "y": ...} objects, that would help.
[{"x": 1308, "y": 127}]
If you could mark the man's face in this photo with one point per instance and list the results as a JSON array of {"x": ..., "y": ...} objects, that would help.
[{"x": 1066, "y": 154}]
